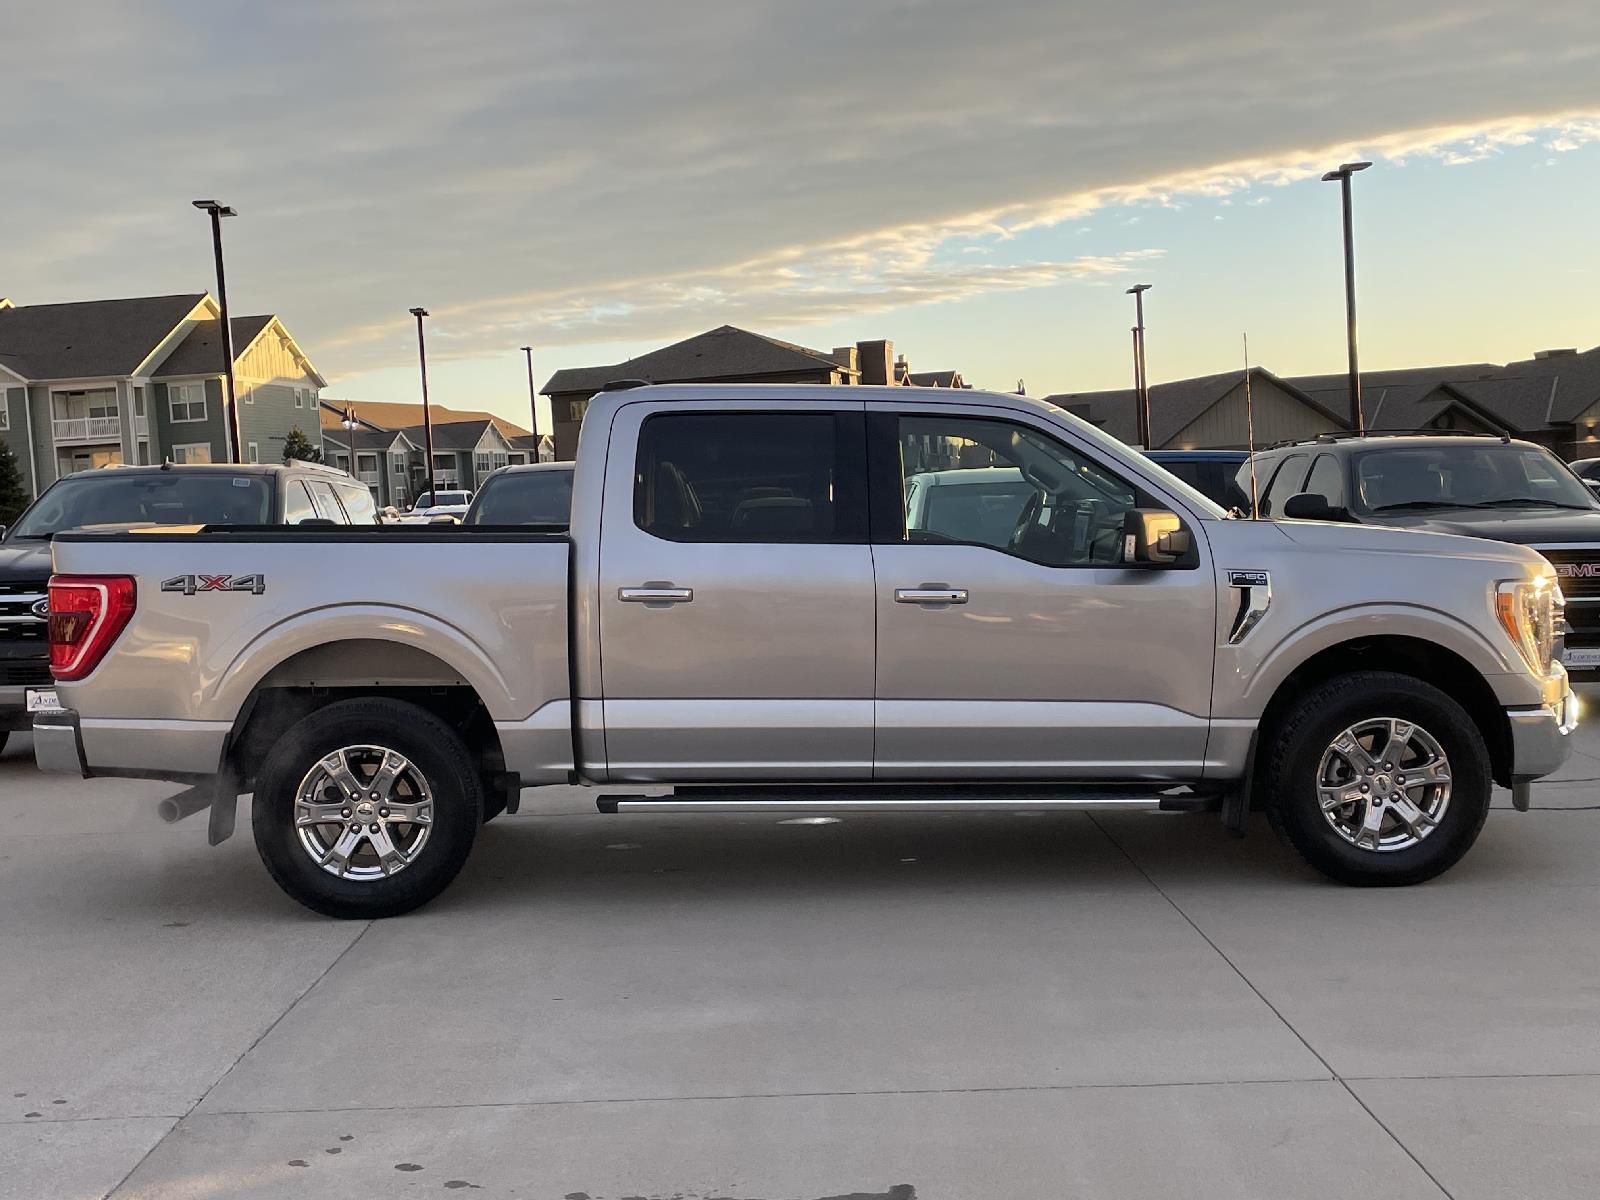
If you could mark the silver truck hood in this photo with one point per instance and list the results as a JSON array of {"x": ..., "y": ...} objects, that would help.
[{"x": 1374, "y": 539}]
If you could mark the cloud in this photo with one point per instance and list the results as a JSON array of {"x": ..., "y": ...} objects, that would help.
[{"x": 563, "y": 170}]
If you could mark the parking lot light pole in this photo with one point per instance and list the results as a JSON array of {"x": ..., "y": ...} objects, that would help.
[
  {"x": 533, "y": 403},
  {"x": 427, "y": 419},
  {"x": 1141, "y": 383},
  {"x": 218, "y": 211},
  {"x": 1342, "y": 175}
]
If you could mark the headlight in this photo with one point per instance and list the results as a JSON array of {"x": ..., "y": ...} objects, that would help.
[{"x": 1533, "y": 613}]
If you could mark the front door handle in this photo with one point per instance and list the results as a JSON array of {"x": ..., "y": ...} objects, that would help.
[
  {"x": 655, "y": 594},
  {"x": 930, "y": 595}
]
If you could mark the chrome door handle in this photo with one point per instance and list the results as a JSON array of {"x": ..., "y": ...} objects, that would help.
[
  {"x": 656, "y": 595},
  {"x": 930, "y": 595}
]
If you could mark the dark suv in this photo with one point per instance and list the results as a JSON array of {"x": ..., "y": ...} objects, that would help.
[
  {"x": 133, "y": 497},
  {"x": 1485, "y": 487}
]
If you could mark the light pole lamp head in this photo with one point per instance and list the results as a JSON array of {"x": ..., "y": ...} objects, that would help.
[
  {"x": 526, "y": 349},
  {"x": 211, "y": 206},
  {"x": 1138, "y": 288},
  {"x": 1345, "y": 171},
  {"x": 419, "y": 313}
]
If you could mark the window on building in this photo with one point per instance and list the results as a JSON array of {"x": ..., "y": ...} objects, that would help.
[
  {"x": 499, "y": 457},
  {"x": 299, "y": 398},
  {"x": 576, "y": 409},
  {"x": 186, "y": 402},
  {"x": 253, "y": 454},
  {"x": 737, "y": 477},
  {"x": 249, "y": 395},
  {"x": 5, "y": 411},
  {"x": 397, "y": 463},
  {"x": 192, "y": 452},
  {"x": 481, "y": 461}
]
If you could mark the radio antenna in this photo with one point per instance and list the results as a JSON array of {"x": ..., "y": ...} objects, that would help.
[{"x": 1250, "y": 433}]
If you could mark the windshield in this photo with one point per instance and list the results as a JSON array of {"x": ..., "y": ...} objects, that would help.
[
  {"x": 1491, "y": 475},
  {"x": 116, "y": 500},
  {"x": 524, "y": 498}
]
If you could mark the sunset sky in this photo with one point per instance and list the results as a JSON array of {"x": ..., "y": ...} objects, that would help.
[{"x": 977, "y": 182}]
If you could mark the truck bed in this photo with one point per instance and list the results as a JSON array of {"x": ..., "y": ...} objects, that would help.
[{"x": 225, "y": 610}]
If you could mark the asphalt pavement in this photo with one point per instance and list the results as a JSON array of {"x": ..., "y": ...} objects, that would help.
[{"x": 932, "y": 1007}]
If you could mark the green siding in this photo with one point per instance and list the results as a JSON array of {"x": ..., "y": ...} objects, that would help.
[{"x": 15, "y": 435}]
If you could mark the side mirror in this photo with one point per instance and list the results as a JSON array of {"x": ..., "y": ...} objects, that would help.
[
  {"x": 1154, "y": 537},
  {"x": 1312, "y": 506}
]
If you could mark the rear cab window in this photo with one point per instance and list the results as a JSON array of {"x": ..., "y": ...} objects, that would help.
[{"x": 750, "y": 477}]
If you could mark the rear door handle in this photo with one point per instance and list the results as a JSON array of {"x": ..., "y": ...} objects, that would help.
[
  {"x": 655, "y": 595},
  {"x": 930, "y": 595}
]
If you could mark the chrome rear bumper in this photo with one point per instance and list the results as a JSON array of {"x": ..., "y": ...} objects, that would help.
[{"x": 58, "y": 743}]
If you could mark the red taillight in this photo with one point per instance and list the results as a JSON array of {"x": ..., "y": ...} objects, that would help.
[{"x": 87, "y": 612}]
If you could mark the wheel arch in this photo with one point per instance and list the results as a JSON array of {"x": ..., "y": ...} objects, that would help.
[
  {"x": 317, "y": 676},
  {"x": 1427, "y": 661}
]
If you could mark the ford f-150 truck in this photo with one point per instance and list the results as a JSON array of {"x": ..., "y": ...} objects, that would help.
[{"x": 752, "y": 606}]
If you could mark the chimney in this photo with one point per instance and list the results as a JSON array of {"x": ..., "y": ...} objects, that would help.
[
  {"x": 1562, "y": 353},
  {"x": 845, "y": 356},
  {"x": 877, "y": 361}
]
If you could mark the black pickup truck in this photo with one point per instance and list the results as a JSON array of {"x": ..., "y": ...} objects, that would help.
[{"x": 1476, "y": 486}]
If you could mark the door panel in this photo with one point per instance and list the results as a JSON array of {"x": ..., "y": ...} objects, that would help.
[
  {"x": 748, "y": 656},
  {"x": 1058, "y": 662}
]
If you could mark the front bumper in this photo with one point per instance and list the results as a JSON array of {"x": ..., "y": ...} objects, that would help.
[{"x": 1541, "y": 740}]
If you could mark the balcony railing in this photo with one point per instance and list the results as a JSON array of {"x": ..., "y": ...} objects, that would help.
[
  {"x": 445, "y": 479},
  {"x": 371, "y": 478},
  {"x": 87, "y": 429}
]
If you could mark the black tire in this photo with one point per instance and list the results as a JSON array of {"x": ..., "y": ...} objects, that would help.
[
  {"x": 432, "y": 748},
  {"x": 1305, "y": 733}
]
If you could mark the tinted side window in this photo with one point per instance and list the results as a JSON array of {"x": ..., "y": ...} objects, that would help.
[
  {"x": 1327, "y": 478},
  {"x": 1284, "y": 484},
  {"x": 1011, "y": 488},
  {"x": 358, "y": 503},
  {"x": 327, "y": 505},
  {"x": 739, "y": 477},
  {"x": 296, "y": 503}
]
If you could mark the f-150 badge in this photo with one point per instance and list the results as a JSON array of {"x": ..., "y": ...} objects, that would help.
[
  {"x": 1255, "y": 597},
  {"x": 190, "y": 584}
]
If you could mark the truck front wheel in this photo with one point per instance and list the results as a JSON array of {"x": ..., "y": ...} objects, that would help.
[
  {"x": 366, "y": 808},
  {"x": 1378, "y": 779}
]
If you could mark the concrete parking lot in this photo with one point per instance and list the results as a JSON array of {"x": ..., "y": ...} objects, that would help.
[{"x": 945, "y": 1007}]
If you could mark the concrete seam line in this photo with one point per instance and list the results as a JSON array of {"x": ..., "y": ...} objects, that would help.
[
  {"x": 1406, "y": 1150},
  {"x": 276, "y": 1021}
]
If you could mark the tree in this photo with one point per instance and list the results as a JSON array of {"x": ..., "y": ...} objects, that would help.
[
  {"x": 13, "y": 496},
  {"x": 298, "y": 445}
]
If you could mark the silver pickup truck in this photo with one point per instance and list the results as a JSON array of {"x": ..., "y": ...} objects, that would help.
[{"x": 803, "y": 598}]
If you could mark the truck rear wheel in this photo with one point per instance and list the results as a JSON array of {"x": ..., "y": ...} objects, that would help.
[
  {"x": 1378, "y": 779},
  {"x": 366, "y": 808}
]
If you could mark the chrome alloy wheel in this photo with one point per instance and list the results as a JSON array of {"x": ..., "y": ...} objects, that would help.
[
  {"x": 363, "y": 812},
  {"x": 1384, "y": 784}
]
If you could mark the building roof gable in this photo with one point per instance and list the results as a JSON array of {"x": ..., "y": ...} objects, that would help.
[
  {"x": 92, "y": 339},
  {"x": 721, "y": 353},
  {"x": 200, "y": 353}
]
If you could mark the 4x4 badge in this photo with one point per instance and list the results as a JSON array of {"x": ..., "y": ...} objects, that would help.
[{"x": 190, "y": 584}]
